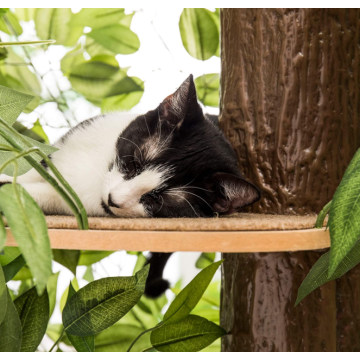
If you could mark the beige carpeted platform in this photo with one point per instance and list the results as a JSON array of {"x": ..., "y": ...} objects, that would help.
[{"x": 238, "y": 233}]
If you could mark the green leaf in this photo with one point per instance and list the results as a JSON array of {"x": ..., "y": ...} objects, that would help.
[
  {"x": 192, "y": 333},
  {"x": 117, "y": 38},
  {"x": 80, "y": 343},
  {"x": 199, "y": 33},
  {"x": 23, "y": 130},
  {"x": 23, "y": 274},
  {"x": 9, "y": 24},
  {"x": 25, "y": 14},
  {"x": 119, "y": 337},
  {"x": 11, "y": 269},
  {"x": 89, "y": 257},
  {"x": 52, "y": 289},
  {"x": 33, "y": 311},
  {"x": 190, "y": 295},
  {"x": 207, "y": 87},
  {"x": 10, "y": 329},
  {"x": 93, "y": 48},
  {"x": 3, "y": 296},
  {"x": 72, "y": 59},
  {"x": 140, "y": 262},
  {"x": 53, "y": 23},
  {"x": 103, "y": 302},
  {"x": 88, "y": 276},
  {"x": 123, "y": 102},
  {"x": 319, "y": 273},
  {"x": 67, "y": 258},
  {"x": 344, "y": 214},
  {"x": 64, "y": 296},
  {"x": 24, "y": 43},
  {"x": 2, "y": 234},
  {"x": 39, "y": 131},
  {"x": 29, "y": 229},
  {"x": 205, "y": 260},
  {"x": 10, "y": 254},
  {"x": 322, "y": 215}
]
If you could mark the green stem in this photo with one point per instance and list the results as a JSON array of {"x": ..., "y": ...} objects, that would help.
[
  {"x": 40, "y": 169},
  {"x": 58, "y": 340},
  {"x": 322, "y": 215},
  {"x": 143, "y": 333}
]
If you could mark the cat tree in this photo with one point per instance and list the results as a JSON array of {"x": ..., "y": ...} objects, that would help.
[{"x": 290, "y": 107}]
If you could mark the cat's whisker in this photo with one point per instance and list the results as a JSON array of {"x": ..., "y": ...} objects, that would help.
[
  {"x": 120, "y": 137},
  {"x": 188, "y": 203},
  {"x": 161, "y": 204},
  {"x": 136, "y": 158},
  {"x": 147, "y": 125},
  {"x": 187, "y": 192},
  {"x": 191, "y": 187}
]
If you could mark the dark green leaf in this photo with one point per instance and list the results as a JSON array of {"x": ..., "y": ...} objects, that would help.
[
  {"x": 103, "y": 302},
  {"x": 344, "y": 214},
  {"x": 29, "y": 229},
  {"x": 23, "y": 274},
  {"x": 89, "y": 257},
  {"x": 205, "y": 260},
  {"x": 52, "y": 289},
  {"x": 192, "y": 333},
  {"x": 67, "y": 258},
  {"x": 33, "y": 311},
  {"x": 207, "y": 87},
  {"x": 10, "y": 329},
  {"x": 3, "y": 296},
  {"x": 2, "y": 234},
  {"x": 199, "y": 33},
  {"x": 11, "y": 269},
  {"x": 190, "y": 295}
]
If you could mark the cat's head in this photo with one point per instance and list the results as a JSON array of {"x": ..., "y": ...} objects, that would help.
[{"x": 175, "y": 162}]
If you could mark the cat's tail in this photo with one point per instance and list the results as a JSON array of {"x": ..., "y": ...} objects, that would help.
[{"x": 155, "y": 284}]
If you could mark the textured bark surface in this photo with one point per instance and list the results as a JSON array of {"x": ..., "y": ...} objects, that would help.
[{"x": 290, "y": 107}]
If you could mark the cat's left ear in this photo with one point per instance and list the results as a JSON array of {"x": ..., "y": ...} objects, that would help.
[
  {"x": 181, "y": 106},
  {"x": 233, "y": 193}
]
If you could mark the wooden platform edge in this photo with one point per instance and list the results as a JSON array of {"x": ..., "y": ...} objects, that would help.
[{"x": 171, "y": 241}]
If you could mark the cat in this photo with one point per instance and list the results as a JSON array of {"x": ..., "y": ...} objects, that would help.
[{"x": 170, "y": 162}]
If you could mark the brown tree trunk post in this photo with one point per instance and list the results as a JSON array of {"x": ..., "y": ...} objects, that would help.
[{"x": 290, "y": 105}]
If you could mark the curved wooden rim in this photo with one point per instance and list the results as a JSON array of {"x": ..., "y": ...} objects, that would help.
[{"x": 205, "y": 241}]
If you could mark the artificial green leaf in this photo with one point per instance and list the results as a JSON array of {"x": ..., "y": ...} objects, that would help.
[
  {"x": 319, "y": 273},
  {"x": 3, "y": 51},
  {"x": 207, "y": 87},
  {"x": 122, "y": 102},
  {"x": 64, "y": 296},
  {"x": 52, "y": 289},
  {"x": 72, "y": 59},
  {"x": 25, "y": 14},
  {"x": 23, "y": 130},
  {"x": 38, "y": 130},
  {"x": 140, "y": 262},
  {"x": 67, "y": 258},
  {"x": 23, "y": 274},
  {"x": 98, "y": 18},
  {"x": 190, "y": 295},
  {"x": 33, "y": 311},
  {"x": 93, "y": 48},
  {"x": 53, "y": 23},
  {"x": 88, "y": 276},
  {"x": 199, "y": 33},
  {"x": 9, "y": 24},
  {"x": 80, "y": 343},
  {"x": 2, "y": 234},
  {"x": 28, "y": 226},
  {"x": 3, "y": 296},
  {"x": 192, "y": 333},
  {"x": 10, "y": 254},
  {"x": 119, "y": 337},
  {"x": 11, "y": 269},
  {"x": 117, "y": 38},
  {"x": 103, "y": 302},
  {"x": 344, "y": 213},
  {"x": 10, "y": 329},
  {"x": 89, "y": 257},
  {"x": 3, "y": 11},
  {"x": 205, "y": 260}
]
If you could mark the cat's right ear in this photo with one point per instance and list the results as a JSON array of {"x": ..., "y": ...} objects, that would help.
[{"x": 181, "y": 106}]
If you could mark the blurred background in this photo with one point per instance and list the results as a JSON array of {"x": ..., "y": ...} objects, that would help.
[{"x": 107, "y": 60}]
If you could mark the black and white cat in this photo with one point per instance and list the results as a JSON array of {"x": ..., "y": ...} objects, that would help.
[{"x": 171, "y": 162}]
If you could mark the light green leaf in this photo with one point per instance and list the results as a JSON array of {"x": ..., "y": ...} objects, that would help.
[
  {"x": 190, "y": 295},
  {"x": 9, "y": 24},
  {"x": 103, "y": 302},
  {"x": 10, "y": 329},
  {"x": 52, "y": 289},
  {"x": 23, "y": 274},
  {"x": 140, "y": 262},
  {"x": 3, "y": 296},
  {"x": 319, "y": 273},
  {"x": 33, "y": 311},
  {"x": 67, "y": 258},
  {"x": 10, "y": 254},
  {"x": 29, "y": 229},
  {"x": 88, "y": 276},
  {"x": 89, "y": 257},
  {"x": 199, "y": 33},
  {"x": 119, "y": 337},
  {"x": 205, "y": 260},
  {"x": 117, "y": 38},
  {"x": 53, "y": 23},
  {"x": 207, "y": 88},
  {"x": 72, "y": 59},
  {"x": 25, "y": 14},
  {"x": 38, "y": 130},
  {"x": 344, "y": 214},
  {"x": 2, "y": 234},
  {"x": 64, "y": 296},
  {"x": 23, "y": 130},
  {"x": 123, "y": 102},
  {"x": 24, "y": 43},
  {"x": 192, "y": 333},
  {"x": 93, "y": 48},
  {"x": 11, "y": 269},
  {"x": 80, "y": 343}
]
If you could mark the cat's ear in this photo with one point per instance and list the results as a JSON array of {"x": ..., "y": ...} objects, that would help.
[
  {"x": 233, "y": 193},
  {"x": 181, "y": 106}
]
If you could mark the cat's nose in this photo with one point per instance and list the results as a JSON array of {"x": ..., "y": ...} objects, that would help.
[{"x": 111, "y": 203}]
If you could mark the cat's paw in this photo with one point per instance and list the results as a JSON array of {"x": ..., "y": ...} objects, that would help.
[{"x": 156, "y": 287}]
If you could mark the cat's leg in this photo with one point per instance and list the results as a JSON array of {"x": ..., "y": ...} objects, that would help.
[
  {"x": 31, "y": 176},
  {"x": 47, "y": 198}
]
